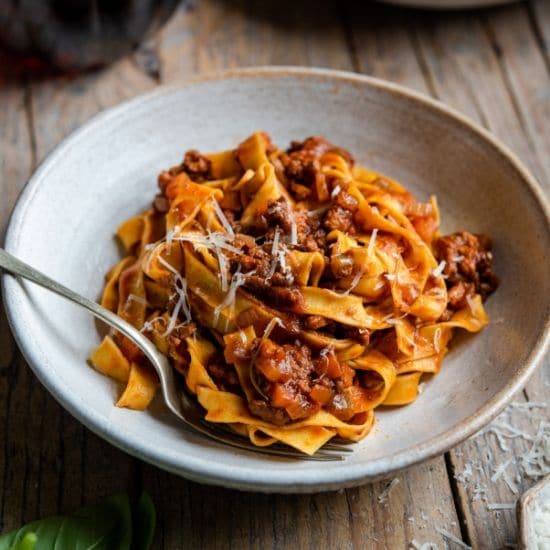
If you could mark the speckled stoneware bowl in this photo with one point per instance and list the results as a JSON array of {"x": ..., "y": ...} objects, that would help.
[{"x": 106, "y": 171}]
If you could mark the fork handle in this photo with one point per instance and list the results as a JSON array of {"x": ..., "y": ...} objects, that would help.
[{"x": 13, "y": 265}]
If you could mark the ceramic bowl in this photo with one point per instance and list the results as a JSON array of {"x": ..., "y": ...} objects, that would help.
[{"x": 64, "y": 222}]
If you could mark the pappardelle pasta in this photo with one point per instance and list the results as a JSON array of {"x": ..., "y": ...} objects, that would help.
[{"x": 294, "y": 291}]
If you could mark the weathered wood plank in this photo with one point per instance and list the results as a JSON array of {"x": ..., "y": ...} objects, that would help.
[
  {"x": 214, "y": 36},
  {"x": 88, "y": 467},
  {"x": 15, "y": 165},
  {"x": 479, "y": 66},
  {"x": 384, "y": 44},
  {"x": 476, "y": 461},
  {"x": 420, "y": 503},
  {"x": 540, "y": 16},
  {"x": 525, "y": 72},
  {"x": 49, "y": 462}
]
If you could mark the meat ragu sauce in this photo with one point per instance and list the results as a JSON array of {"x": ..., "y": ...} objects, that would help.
[
  {"x": 295, "y": 291},
  {"x": 297, "y": 379}
]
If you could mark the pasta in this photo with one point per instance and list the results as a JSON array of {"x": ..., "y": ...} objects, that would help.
[{"x": 294, "y": 291}]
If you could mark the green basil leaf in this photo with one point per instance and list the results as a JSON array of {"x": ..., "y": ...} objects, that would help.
[
  {"x": 144, "y": 519},
  {"x": 103, "y": 526},
  {"x": 27, "y": 542}
]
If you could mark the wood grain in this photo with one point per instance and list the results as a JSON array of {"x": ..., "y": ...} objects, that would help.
[
  {"x": 384, "y": 44},
  {"x": 224, "y": 34},
  {"x": 88, "y": 468},
  {"x": 50, "y": 462},
  {"x": 15, "y": 167},
  {"x": 492, "y": 65},
  {"x": 480, "y": 66}
]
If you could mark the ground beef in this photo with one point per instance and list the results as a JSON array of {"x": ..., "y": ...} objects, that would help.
[
  {"x": 360, "y": 334},
  {"x": 177, "y": 346},
  {"x": 314, "y": 322},
  {"x": 164, "y": 178},
  {"x": 300, "y": 164},
  {"x": 347, "y": 201},
  {"x": 468, "y": 266},
  {"x": 341, "y": 214},
  {"x": 459, "y": 294},
  {"x": 315, "y": 147},
  {"x": 284, "y": 373},
  {"x": 161, "y": 204},
  {"x": 252, "y": 257},
  {"x": 286, "y": 298},
  {"x": 279, "y": 214},
  {"x": 196, "y": 166},
  {"x": 311, "y": 237},
  {"x": 339, "y": 218},
  {"x": 223, "y": 374},
  {"x": 261, "y": 409}
]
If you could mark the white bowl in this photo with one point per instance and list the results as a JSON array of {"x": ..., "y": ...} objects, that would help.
[{"x": 64, "y": 222}]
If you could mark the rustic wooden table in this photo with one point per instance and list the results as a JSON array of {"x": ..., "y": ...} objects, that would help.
[{"x": 491, "y": 64}]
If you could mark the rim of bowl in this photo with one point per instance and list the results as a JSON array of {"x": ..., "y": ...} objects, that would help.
[{"x": 248, "y": 478}]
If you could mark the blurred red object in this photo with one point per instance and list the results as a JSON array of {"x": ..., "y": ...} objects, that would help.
[{"x": 78, "y": 34}]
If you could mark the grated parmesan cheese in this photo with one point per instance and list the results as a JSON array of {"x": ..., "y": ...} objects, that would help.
[
  {"x": 372, "y": 240},
  {"x": 274, "y": 254},
  {"x": 414, "y": 545},
  {"x": 438, "y": 271},
  {"x": 237, "y": 280},
  {"x": 437, "y": 334},
  {"x": 536, "y": 462},
  {"x": 211, "y": 241},
  {"x": 293, "y": 232},
  {"x": 501, "y": 506},
  {"x": 181, "y": 290},
  {"x": 221, "y": 216},
  {"x": 383, "y": 496},
  {"x": 354, "y": 283},
  {"x": 500, "y": 470},
  {"x": 170, "y": 236},
  {"x": 452, "y": 538},
  {"x": 174, "y": 316},
  {"x": 149, "y": 325},
  {"x": 541, "y": 524},
  {"x": 335, "y": 191}
]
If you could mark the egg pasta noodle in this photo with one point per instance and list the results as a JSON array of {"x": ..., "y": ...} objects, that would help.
[{"x": 294, "y": 291}]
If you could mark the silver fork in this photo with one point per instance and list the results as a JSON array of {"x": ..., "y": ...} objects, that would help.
[{"x": 176, "y": 399}]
